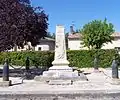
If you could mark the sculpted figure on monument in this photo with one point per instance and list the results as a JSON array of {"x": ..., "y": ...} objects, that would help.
[{"x": 59, "y": 48}]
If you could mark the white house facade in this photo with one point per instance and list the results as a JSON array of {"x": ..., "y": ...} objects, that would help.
[
  {"x": 74, "y": 42},
  {"x": 45, "y": 44}
]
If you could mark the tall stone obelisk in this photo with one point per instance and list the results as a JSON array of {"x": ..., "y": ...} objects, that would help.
[
  {"x": 60, "y": 60},
  {"x": 60, "y": 71}
]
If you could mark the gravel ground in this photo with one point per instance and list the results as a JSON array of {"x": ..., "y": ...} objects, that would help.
[
  {"x": 97, "y": 88},
  {"x": 97, "y": 81}
]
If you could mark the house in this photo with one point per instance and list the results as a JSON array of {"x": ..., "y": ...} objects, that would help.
[
  {"x": 45, "y": 44},
  {"x": 75, "y": 40},
  {"x": 115, "y": 43}
]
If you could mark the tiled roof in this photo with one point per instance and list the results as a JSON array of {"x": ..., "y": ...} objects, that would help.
[
  {"x": 47, "y": 39},
  {"x": 116, "y": 34},
  {"x": 78, "y": 35}
]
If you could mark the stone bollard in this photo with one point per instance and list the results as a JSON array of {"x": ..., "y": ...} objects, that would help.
[
  {"x": 27, "y": 64},
  {"x": 6, "y": 82},
  {"x": 115, "y": 70},
  {"x": 6, "y": 71},
  {"x": 96, "y": 65},
  {"x": 115, "y": 74},
  {"x": 27, "y": 68}
]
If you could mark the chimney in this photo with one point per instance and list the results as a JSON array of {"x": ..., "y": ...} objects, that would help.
[{"x": 71, "y": 30}]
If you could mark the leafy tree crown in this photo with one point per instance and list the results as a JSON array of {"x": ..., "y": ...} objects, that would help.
[{"x": 96, "y": 33}]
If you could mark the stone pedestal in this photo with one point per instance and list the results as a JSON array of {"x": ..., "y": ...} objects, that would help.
[
  {"x": 60, "y": 69},
  {"x": 60, "y": 82},
  {"x": 96, "y": 71},
  {"x": 5, "y": 83},
  {"x": 115, "y": 81}
]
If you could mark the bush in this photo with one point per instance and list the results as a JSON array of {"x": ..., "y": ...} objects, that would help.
[
  {"x": 77, "y": 58},
  {"x": 36, "y": 58},
  {"x": 85, "y": 58}
]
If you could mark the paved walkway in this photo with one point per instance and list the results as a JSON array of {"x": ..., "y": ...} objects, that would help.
[
  {"x": 97, "y": 88},
  {"x": 97, "y": 81}
]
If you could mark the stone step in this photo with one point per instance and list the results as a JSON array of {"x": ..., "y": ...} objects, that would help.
[{"x": 60, "y": 82}]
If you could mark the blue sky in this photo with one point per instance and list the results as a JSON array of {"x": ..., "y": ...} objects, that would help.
[{"x": 79, "y": 12}]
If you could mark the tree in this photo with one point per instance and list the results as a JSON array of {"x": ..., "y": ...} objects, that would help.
[
  {"x": 66, "y": 39},
  {"x": 96, "y": 33},
  {"x": 21, "y": 23},
  {"x": 25, "y": 1},
  {"x": 77, "y": 31},
  {"x": 51, "y": 35}
]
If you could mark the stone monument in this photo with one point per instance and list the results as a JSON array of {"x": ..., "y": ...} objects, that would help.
[
  {"x": 60, "y": 72},
  {"x": 60, "y": 61}
]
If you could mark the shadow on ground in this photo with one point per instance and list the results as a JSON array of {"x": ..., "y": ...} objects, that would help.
[{"x": 22, "y": 72}]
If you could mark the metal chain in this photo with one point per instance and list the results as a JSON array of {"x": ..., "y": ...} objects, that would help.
[
  {"x": 34, "y": 62},
  {"x": 15, "y": 68},
  {"x": 105, "y": 74}
]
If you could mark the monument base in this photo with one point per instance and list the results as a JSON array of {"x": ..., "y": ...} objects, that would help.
[
  {"x": 61, "y": 68},
  {"x": 60, "y": 72},
  {"x": 5, "y": 83},
  {"x": 96, "y": 71},
  {"x": 61, "y": 75}
]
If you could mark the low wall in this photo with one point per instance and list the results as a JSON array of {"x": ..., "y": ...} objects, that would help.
[{"x": 76, "y": 96}]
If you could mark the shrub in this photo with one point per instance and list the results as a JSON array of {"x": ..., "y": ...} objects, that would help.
[
  {"x": 85, "y": 58},
  {"x": 36, "y": 58},
  {"x": 77, "y": 58}
]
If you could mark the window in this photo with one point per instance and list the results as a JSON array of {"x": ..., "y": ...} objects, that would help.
[
  {"x": 29, "y": 48},
  {"x": 39, "y": 48}
]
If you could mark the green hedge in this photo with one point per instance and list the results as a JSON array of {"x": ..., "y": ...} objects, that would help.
[
  {"x": 85, "y": 58},
  {"x": 77, "y": 58},
  {"x": 36, "y": 58}
]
